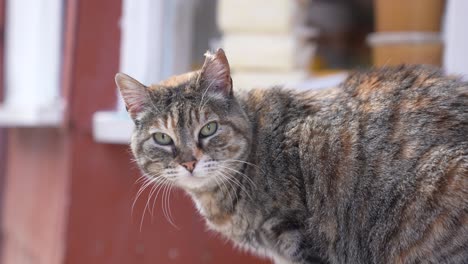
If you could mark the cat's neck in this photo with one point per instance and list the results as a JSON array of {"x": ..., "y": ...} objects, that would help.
[{"x": 216, "y": 204}]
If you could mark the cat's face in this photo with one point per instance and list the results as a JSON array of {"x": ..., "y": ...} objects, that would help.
[{"x": 190, "y": 130}]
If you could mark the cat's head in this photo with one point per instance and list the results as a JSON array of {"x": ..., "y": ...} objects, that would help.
[{"x": 189, "y": 129}]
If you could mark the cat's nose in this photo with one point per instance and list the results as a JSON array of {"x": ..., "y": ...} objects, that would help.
[{"x": 189, "y": 165}]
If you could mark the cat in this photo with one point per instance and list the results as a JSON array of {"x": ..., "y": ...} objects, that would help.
[{"x": 372, "y": 171}]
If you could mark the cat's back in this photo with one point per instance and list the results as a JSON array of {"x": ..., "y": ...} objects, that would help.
[
  {"x": 421, "y": 93},
  {"x": 397, "y": 140},
  {"x": 408, "y": 107},
  {"x": 412, "y": 129}
]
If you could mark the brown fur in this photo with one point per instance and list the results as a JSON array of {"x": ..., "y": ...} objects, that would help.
[{"x": 373, "y": 171}]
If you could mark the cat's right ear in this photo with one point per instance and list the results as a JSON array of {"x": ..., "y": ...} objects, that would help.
[
  {"x": 216, "y": 74},
  {"x": 133, "y": 93}
]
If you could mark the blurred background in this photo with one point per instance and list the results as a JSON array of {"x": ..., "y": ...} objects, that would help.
[{"x": 67, "y": 182}]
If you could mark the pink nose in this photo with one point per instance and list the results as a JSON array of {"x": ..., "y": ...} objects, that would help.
[{"x": 189, "y": 165}]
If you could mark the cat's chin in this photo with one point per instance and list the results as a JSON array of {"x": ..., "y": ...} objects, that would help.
[{"x": 195, "y": 183}]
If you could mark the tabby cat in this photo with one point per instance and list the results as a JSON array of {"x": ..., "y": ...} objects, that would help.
[{"x": 372, "y": 171}]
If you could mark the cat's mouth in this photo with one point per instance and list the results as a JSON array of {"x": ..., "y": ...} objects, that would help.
[
  {"x": 206, "y": 173},
  {"x": 201, "y": 176}
]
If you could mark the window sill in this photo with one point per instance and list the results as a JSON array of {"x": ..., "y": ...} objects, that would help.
[
  {"x": 112, "y": 127},
  {"x": 39, "y": 116}
]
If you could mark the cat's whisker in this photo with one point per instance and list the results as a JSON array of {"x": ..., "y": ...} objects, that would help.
[
  {"x": 141, "y": 179},
  {"x": 232, "y": 184},
  {"x": 207, "y": 100},
  {"x": 157, "y": 181},
  {"x": 156, "y": 187},
  {"x": 166, "y": 204},
  {"x": 143, "y": 216},
  {"x": 240, "y": 173},
  {"x": 218, "y": 182},
  {"x": 147, "y": 206},
  {"x": 165, "y": 209},
  {"x": 243, "y": 175},
  {"x": 169, "y": 204},
  {"x": 160, "y": 187},
  {"x": 226, "y": 188},
  {"x": 153, "y": 189},
  {"x": 134, "y": 161},
  {"x": 203, "y": 95},
  {"x": 242, "y": 161},
  {"x": 162, "y": 201},
  {"x": 222, "y": 185},
  {"x": 247, "y": 163},
  {"x": 148, "y": 182},
  {"x": 146, "y": 177},
  {"x": 154, "y": 106},
  {"x": 232, "y": 179}
]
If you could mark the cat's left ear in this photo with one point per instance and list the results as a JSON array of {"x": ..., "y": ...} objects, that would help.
[
  {"x": 215, "y": 75},
  {"x": 133, "y": 92}
]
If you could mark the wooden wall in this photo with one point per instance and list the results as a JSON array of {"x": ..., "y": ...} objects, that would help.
[
  {"x": 2, "y": 130},
  {"x": 68, "y": 198}
]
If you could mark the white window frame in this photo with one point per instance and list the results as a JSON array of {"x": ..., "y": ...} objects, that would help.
[
  {"x": 455, "y": 38},
  {"x": 156, "y": 42},
  {"x": 32, "y": 67}
]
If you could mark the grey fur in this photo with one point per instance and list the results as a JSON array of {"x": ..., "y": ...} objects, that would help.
[{"x": 373, "y": 171}]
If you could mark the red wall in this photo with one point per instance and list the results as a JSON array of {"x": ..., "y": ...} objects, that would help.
[
  {"x": 2, "y": 131},
  {"x": 101, "y": 228},
  {"x": 68, "y": 199},
  {"x": 35, "y": 196}
]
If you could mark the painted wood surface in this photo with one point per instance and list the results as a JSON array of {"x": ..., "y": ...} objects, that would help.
[{"x": 68, "y": 199}]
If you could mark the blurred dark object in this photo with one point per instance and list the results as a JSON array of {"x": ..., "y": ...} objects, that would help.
[{"x": 343, "y": 27}]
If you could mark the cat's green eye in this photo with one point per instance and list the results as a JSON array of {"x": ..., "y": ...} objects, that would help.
[
  {"x": 162, "y": 139},
  {"x": 209, "y": 129}
]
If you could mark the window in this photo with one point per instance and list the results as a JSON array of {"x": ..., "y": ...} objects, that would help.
[
  {"x": 33, "y": 57},
  {"x": 156, "y": 42}
]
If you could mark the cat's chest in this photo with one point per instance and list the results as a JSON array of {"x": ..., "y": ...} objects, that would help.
[{"x": 219, "y": 218}]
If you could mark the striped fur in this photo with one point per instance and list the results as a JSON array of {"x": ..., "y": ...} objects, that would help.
[{"x": 373, "y": 171}]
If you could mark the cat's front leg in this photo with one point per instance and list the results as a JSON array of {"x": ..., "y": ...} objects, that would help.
[
  {"x": 285, "y": 237},
  {"x": 291, "y": 251},
  {"x": 282, "y": 260}
]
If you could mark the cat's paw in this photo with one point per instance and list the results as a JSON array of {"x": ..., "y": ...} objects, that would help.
[{"x": 284, "y": 237}]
